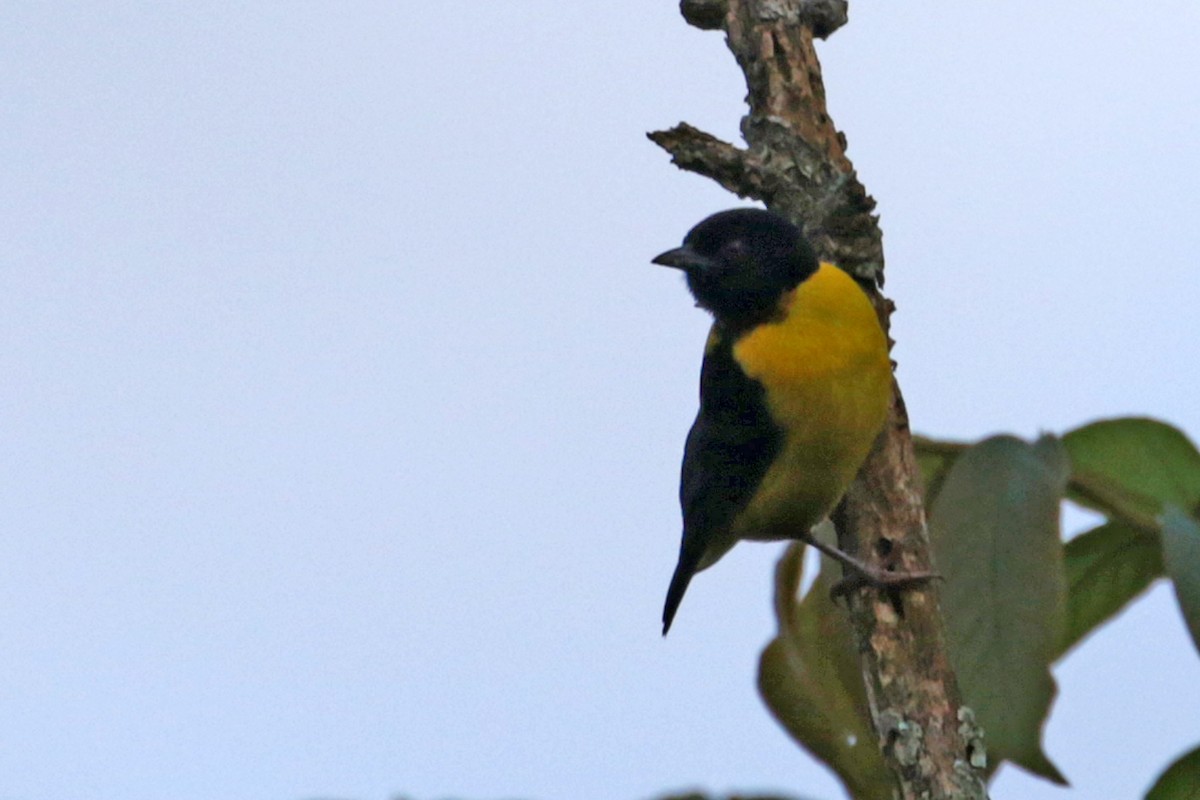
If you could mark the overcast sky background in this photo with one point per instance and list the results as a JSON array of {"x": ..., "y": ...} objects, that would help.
[{"x": 342, "y": 410}]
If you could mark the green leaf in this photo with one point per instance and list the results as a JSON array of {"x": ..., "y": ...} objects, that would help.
[
  {"x": 1107, "y": 567},
  {"x": 934, "y": 458},
  {"x": 1139, "y": 462},
  {"x": 1181, "y": 555},
  {"x": 1180, "y": 781},
  {"x": 810, "y": 679},
  {"x": 995, "y": 535}
]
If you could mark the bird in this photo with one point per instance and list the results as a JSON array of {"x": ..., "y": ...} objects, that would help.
[{"x": 795, "y": 386}]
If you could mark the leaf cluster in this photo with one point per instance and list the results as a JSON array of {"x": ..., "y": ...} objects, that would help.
[{"x": 1017, "y": 598}]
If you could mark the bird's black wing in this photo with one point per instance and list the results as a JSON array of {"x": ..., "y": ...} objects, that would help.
[{"x": 729, "y": 449}]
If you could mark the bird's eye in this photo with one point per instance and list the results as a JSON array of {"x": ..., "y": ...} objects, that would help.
[{"x": 734, "y": 249}]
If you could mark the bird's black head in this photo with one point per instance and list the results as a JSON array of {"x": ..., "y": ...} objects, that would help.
[{"x": 739, "y": 262}]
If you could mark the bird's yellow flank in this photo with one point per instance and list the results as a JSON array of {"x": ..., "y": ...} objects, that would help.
[{"x": 827, "y": 379}]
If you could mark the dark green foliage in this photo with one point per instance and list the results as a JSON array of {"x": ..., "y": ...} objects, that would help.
[
  {"x": 1147, "y": 464},
  {"x": 995, "y": 534},
  {"x": 1107, "y": 567},
  {"x": 1016, "y": 597},
  {"x": 1181, "y": 554},
  {"x": 1180, "y": 781},
  {"x": 809, "y": 677}
]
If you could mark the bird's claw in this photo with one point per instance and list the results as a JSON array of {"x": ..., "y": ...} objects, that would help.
[
  {"x": 865, "y": 575},
  {"x": 860, "y": 573}
]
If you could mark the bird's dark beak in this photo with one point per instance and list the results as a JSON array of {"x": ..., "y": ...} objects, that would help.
[{"x": 684, "y": 258}]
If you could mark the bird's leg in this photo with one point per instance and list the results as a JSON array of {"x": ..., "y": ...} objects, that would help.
[{"x": 863, "y": 574}]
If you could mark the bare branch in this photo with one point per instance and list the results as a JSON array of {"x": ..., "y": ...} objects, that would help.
[
  {"x": 796, "y": 162},
  {"x": 696, "y": 151},
  {"x": 707, "y": 15},
  {"x": 825, "y": 16}
]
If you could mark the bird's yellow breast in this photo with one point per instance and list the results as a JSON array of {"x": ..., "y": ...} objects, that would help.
[{"x": 825, "y": 368}]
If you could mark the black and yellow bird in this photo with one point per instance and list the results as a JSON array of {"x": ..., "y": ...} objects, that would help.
[{"x": 794, "y": 389}]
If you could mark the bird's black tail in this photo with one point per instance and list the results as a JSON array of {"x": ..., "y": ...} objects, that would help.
[{"x": 684, "y": 571}]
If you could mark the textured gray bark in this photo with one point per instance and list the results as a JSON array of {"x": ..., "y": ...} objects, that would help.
[{"x": 795, "y": 161}]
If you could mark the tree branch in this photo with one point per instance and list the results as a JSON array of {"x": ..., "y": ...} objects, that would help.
[{"x": 796, "y": 162}]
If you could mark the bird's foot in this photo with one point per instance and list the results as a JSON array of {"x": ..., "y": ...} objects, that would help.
[
  {"x": 877, "y": 578},
  {"x": 860, "y": 573}
]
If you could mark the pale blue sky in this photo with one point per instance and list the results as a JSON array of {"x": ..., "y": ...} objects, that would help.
[{"x": 343, "y": 411}]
